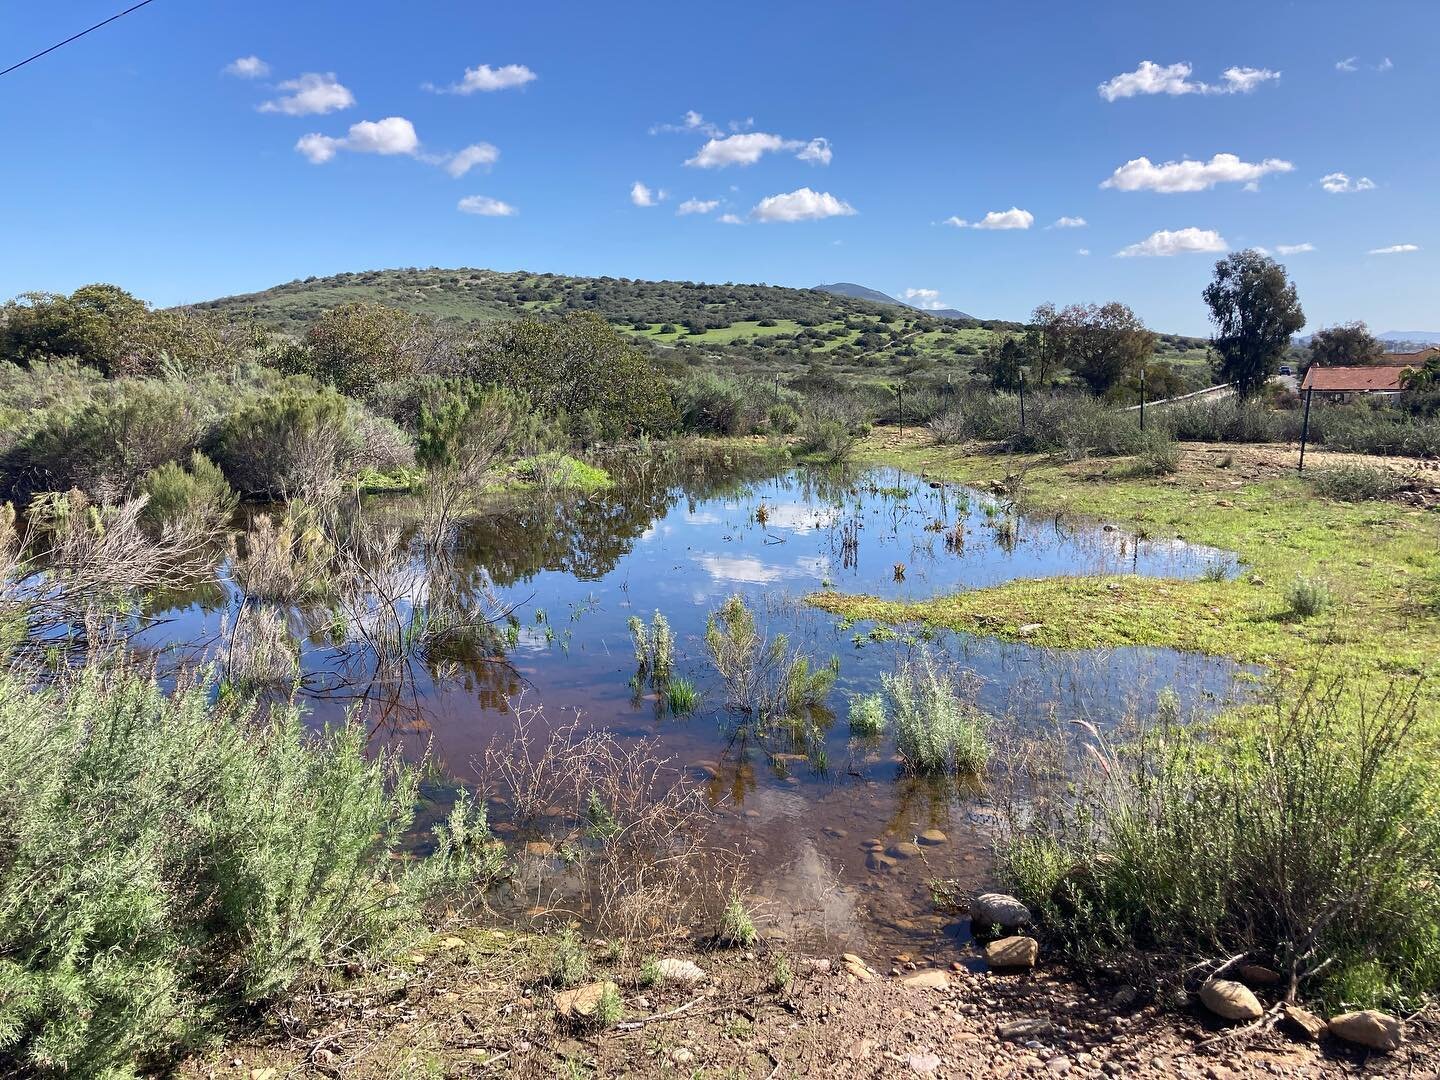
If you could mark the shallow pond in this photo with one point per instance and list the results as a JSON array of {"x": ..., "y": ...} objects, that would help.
[{"x": 680, "y": 539}]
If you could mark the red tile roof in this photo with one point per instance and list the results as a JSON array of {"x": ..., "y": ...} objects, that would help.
[{"x": 1355, "y": 380}]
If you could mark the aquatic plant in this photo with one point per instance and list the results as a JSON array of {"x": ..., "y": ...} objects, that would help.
[
  {"x": 682, "y": 696},
  {"x": 867, "y": 714},
  {"x": 938, "y": 727},
  {"x": 654, "y": 647},
  {"x": 763, "y": 677}
]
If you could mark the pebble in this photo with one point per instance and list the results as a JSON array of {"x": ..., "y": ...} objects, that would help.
[
  {"x": 682, "y": 1056},
  {"x": 1058, "y": 1066}
]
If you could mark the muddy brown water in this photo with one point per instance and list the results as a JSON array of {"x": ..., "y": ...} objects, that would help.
[{"x": 680, "y": 536}]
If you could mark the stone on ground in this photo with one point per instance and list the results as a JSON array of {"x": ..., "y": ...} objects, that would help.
[
  {"x": 685, "y": 971},
  {"x": 583, "y": 1000},
  {"x": 927, "y": 979},
  {"x": 1231, "y": 1000},
  {"x": 1258, "y": 975},
  {"x": 1012, "y": 952},
  {"x": 1369, "y": 1028},
  {"x": 1302, "y": 1021},
  {"x": 998, "y": 909}
]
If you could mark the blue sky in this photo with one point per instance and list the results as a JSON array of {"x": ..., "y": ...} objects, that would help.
[{"x": 140, "y": 155}]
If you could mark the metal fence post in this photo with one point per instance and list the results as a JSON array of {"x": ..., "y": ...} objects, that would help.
[{"x": 1305, "y": 428}]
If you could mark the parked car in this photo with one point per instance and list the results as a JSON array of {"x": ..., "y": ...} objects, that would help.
[{"x": 1285, "y": 370}]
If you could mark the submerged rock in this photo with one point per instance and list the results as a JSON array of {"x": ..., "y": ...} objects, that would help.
[
  {"x": 932, "y": 837},
  {"x": 1369, "y": 1028},
  {"x": 905, "y": 850},
  {"x": 998, "y": 909},
  {"x": 1231, "y": 1000}
]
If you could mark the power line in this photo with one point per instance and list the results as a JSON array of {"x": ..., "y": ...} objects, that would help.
[{"x": 75, "y": 37}]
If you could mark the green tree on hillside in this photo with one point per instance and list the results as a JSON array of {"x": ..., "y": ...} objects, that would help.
[
  {"x": 1255, "y": 311},
  {"x": 356, "y": 347},
  {"x": 1003, "y": 362},
  {"x": 1348, "y": 343},
  {"x": 1103, "y": 344}
]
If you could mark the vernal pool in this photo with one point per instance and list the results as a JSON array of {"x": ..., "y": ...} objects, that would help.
[{"x": 679, "y": 538}]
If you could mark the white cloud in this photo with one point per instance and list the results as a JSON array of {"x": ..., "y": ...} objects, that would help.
[
  {"x": 816, "y": 152},
  {"x": 1337, "y": 183},
  {"x": 485, "y": 206},
  {"x": 486, "y": 79},
  {"x": 1348, "y": 64},
  {"x": 1294, "y": 249},
  {"x": 1395, "y": 249},
  {"x": 746, "y": 148},
  {"x": 248, "y": 67},
  {"x": 1070, "y": 223},
  {"x": 1385, "y": 65},
  {"x": 1014, "y": 218},
  {"x": 641, "y": 195},
  {"x": 929, "y": 299},
  {"x": 802, "y": 204},
  {"x": 479, "y": 154},
  {"x": 311, "y": 94},
  {"x": 1178, "y": 242},
  {"x": 1174, "y": 79},
  {"x": 730, "y": 219},
  {"x": 1082, "y": 251},
  {"x": 1142, "y": 174},
  {"x": 393, "y": 135},
  {"x": 691, "y": 121},
  {"x": 697, "y": 206}
]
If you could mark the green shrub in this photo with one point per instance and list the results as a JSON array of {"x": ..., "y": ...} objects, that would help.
[
  {"x": 650, "y": 974},
  {"x": 781, "y": 976},
  {"x": 1357, "y": 483},
  {"x": 938, "y": 727},
  {"x": 569, "y": 966},
  {"x": 170, "y": 860},
  {"x": 737, "y": 928},
  {"x": 1303, "y": 838},
  {"x": 194, "y": 496},
  {"x": 610, "y": 1009},
  {"x": 1159, "y": 454},
  {"x": 782, "y": 419},
  {"x": 867, "y": 714},
  {"x": 1308, "y": 597},
  {"x": 710, "y": 404}
]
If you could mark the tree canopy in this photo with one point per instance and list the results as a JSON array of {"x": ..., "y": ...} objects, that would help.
[
  {"x": 1103, "y": 344},
  {"x": 1347, "y": 343},
  {"x": 1255, "y": 310}
]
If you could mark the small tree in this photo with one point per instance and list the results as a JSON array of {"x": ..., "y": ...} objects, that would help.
[
  {"x": 1255, "y": 311},
  {"x": 1045, "y": 343},
  {"x": 1103, "y": 344},
  {"x": 1003, "y": 363},
  {"x": 1348, "y": 343}
]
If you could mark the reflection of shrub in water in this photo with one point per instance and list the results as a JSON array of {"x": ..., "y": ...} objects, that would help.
[
  {"x": 1304, "y": 840},
  {"x": 938, "y": 727}
]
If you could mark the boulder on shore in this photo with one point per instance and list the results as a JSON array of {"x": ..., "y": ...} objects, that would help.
[
  {"x": 1231, "y": 1000},
  {"x": 583, "y": 1000},
  {"x": 1012, "y": 952},
  {"x": 998, "y": 909}
]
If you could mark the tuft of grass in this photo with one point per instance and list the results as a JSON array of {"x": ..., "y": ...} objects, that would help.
[
  {"x": 737, "y": 927},
  {"x": 780, "y": 975},
  {"x": 938, "y": 727},
  {"x": 569, "y": 966},
  {"x": 1308, "y": 597},
  {"x": 867, "y": 714},
  {"x": 610, "y": 1009},
  {"x": 1356, "y": 483},
  {"x": 682, "y": 696},
  {"x": 649, "y": 974}
]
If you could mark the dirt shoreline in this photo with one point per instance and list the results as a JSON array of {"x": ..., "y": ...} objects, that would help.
[{"x": 474, "y": 1003}]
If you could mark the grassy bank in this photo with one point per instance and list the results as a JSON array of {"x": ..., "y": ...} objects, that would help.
[{"x": 1380, "y": 561}]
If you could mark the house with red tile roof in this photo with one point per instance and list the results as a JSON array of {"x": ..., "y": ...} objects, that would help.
[{"x": 1346, "y": 383}]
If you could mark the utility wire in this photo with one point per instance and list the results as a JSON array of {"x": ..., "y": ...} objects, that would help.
[{"x": 75, "y": 37}]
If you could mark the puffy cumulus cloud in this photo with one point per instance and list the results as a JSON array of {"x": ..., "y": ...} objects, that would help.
[
  {"x": 641, "y": 195},
  {"x": 1338, "y": 183},
  {"x": 1142, "y": 174},
  {"x": 247, "y": 67},
  {"x": 312, "y": 94},
  {"x": 929, "y": 299},
  {"x": 1178, "y": 242},
  {"x": 697, "y": 206},
  {"x": 748, "y": 147},
  {"x": 1174, "y": 79},
  {"x": 486, "y": 79},
  {"x": 485, "y": 206},
  {"x": 802, "y": 204},
  {"x": 816, "y": 152},
  {"x": 1395, "y": 249},
  {"x": 477, "y": 155},
  {"x": 1070, "y": 223},
  {"x": 1294, "y": 249},
  {"x": 393, "y": 135},
  {"x": 1014, "y": 218}
]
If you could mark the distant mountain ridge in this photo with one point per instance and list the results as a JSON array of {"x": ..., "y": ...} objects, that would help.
[
  {"x": 1411, "y": 337},
  {"x": 875, "y": 296}
]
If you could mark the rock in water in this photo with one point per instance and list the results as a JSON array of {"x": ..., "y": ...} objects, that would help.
[
  {"x": 686, "y": 971},
  {"x": 1231, "y": 1000},
  {"x": 1012, "y": 952},
  {"x": 583, "y": 1000},
  {"x": 1368, "y": 1028},
  {"x": 1302, "y": 1021},
  {"x": 932, "y": 837},
  {"x": 998, "y": 909}
]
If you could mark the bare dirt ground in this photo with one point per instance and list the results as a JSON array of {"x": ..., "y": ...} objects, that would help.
[{"x": 476, "y": 1006}]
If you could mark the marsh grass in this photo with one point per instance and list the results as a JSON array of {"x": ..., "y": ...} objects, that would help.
[
  {"x": 737, "y": 927},
  {"x": 1357, "y": 483},
  {"x": 1308, "y": 597},
  {"x": 682, "y": 696},
  {"x": 938, "y": 727},
  {"x": 764, "y": 677},
  {"x": 867, "y": 715},
  {"x": 1303, "y": 838}
]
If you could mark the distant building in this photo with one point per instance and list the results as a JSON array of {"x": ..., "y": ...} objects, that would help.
[
  {"x": 1371, "y": 380},
  {"x": 1412, "y": 359}
]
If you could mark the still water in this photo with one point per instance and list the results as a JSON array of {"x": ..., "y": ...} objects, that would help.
[{"x": 679, "y": 537}]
